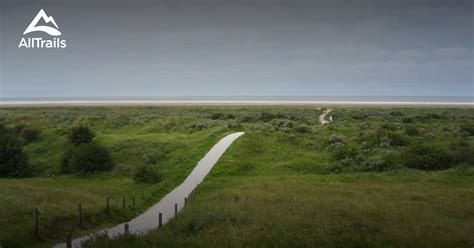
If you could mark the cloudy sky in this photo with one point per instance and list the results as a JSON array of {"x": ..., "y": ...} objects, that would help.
[{"x": 241, "y": 48}]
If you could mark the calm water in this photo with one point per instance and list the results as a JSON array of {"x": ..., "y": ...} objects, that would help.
[{"x": 427, "y": 99}]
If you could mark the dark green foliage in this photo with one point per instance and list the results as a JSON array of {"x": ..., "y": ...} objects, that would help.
[
  {"x": 383, "y": 161},
  {"x": 13, "y": 161},
  {"x": 89, "y": 158},
  {"x": 265, "y": 116},
  {"x": 411, "y": 130},
  {"x": 396, "y": 113},
  {"x": 85, "y": 156},
  {"x": 65, "y": 164},
  {"x": 30, "y": 134},
  {"x": 426, "y": 157},
  {"x": 19, "y": 127},
  {"x": 467, "y": 127},
  {"x": 341, "y": 151},
  {"x": 146, "y": 174},
  {"x": 396, "y": 139},
  {"x": 303, "y": 128},
  {"x": 80, "y": 135},
  {"x": 216, "y": 116},
  {"x": 408, "y": 120}
]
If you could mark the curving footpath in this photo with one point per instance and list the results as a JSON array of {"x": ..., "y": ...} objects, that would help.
[
  {"x": 149, "y": 219},
  {"x": 322, "y": 117}
]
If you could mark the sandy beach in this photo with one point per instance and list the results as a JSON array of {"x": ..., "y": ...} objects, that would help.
[{"x": 221, "y": 102}]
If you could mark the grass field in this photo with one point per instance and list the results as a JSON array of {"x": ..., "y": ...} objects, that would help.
[
  {"x": 386, "y": 176},
  {"x": 266, "y": 192},
  {"x": 173, "y": 152}
]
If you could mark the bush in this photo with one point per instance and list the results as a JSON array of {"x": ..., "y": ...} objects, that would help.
[
  {"x": 146, "y": 174},
  {"x": 411, "y": 130},
  {"x": 154, "y": 157},
  {"x": 408, "y": 120},
  {"x": 80, "y": 135},
  {"x": 341, "y": 151},
  {"x": 123, "y": 169},
  {"x": 382, "y": 162},
  {"x": 89, "y": 158},
  {"x": 30, "y": 134},
  {"x": 396, "y": 139},
  {"x": 18, "y": 128},
  {"x": 216, "y": 116},
  {"x": 467, "y": 128},
  {"x": 426, "y": 157},
  {"x": 13, "y": 160},
  {"x": 336, "y": 138},
  {"x": 233, "y": 124},
  {"x": 303, "y": 128}
]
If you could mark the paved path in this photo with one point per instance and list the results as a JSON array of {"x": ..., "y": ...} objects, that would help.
[
  {"x": 322, "y": 117},
  {"x": 149, "y": 219}
]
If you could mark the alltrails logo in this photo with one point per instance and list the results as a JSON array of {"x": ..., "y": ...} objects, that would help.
[{"x": 38, "y": 42}]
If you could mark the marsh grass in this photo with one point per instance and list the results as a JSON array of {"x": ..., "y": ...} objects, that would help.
[{"x": 289, "y": 181}]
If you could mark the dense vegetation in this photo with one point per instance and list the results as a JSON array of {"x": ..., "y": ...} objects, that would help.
[
  {"x": 83, "y": 155},
  {"x": 13, "y": 160},
  {"x": 355, "y": 178}
]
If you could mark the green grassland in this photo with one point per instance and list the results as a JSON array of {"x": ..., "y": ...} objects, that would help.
[
  {"x": 377, "y": 176},
  {"x": 135, "y": 136}
]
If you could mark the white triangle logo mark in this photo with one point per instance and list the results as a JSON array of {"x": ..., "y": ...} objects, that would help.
[{"x": 47, "y": 19}]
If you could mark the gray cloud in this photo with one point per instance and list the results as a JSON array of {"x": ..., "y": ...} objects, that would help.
[{"x": 173, "y": 48}]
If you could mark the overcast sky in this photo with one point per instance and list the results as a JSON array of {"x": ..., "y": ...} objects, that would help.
[{"x": 241, "y": 48}]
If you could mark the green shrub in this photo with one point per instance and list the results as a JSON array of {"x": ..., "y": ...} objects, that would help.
[
  {"x": 233, "y": 124},
  {"x": 411, "y": 130},
  {"x": 383, "y": 161},
  {"x": 65, "y": 165},
  {"x": 146, "y": 174},
  {"x": 30, "y": 134},
  {"x": 154, "y": 157},
  {"x": 13, "y": 160},
  {"x": 124, "y": 169},
  {"x": 337, "y": 138},
  {"x": 80, "y": 135},
  {"x": 426, "y": 156},
  {"x": 216, "y": 116},
  {"x": 408, "y": 120},
  {"x": 303, "y": 128},
  {"x": 396, "y": 139},
  {"x": 19, "y": 127},
  {"x": 396, "y": 113},
  {"x": 467, "y": 127},
  {"x": 341, "y": 151},
  {"x": 462, "y": 155},
  {"x": 90, "y": 158}
]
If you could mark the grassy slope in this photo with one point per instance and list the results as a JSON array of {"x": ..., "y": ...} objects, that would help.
[
  {"x": 140, "y": 140},
  {"x": 273, "y": 189}
]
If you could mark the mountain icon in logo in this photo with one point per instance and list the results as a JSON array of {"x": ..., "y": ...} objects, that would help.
[{"x": 47, "y": 29}]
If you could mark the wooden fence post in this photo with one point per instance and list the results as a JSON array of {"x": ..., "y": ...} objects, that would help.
[
  {"x": 80, "y": 214},
  {"x": 160, "y": 219},
  {"x": 175, "y": 209},
  {"x": 68, "y": 240},
  {"x": 125, "y": 227},
  {"x": 36, "y": 222}
]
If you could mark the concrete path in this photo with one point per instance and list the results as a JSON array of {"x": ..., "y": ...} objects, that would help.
[
  {"x": 322, "y": 117},
  {"x": 149, "y": 219}
]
